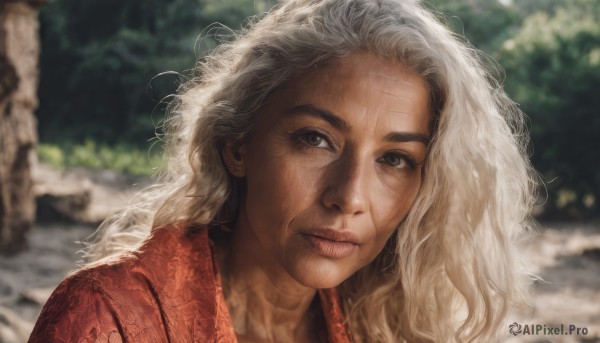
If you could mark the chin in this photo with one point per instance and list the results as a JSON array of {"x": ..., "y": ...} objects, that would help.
[{"x": 319, "y": 274}]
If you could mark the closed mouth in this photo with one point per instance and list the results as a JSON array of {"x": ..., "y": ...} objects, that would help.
[
  {"x": 333, "y": 235},
  {"x": 331, "y": 243}
]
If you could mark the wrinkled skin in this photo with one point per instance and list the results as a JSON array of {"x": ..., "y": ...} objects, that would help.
[{"x": 340, "y": 148}]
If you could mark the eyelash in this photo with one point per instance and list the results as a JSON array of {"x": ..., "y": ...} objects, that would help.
[
  {"x": 412, "y": 164},
  {"x": 302, "y": 135}
]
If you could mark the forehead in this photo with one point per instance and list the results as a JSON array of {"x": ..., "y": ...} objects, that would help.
[
  {"x": 363, "y": 67},
  {"x": 364, "y": 89}
]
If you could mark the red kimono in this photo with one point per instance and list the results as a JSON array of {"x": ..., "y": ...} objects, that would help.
[{"x": 168, "y": 291}]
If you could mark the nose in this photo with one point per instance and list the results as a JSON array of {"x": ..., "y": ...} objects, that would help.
[{"x": 347, "y": 189}]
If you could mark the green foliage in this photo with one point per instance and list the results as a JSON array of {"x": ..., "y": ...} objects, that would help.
[
  {"x": 100, "y": 59},
  {"x": 484, "y": 23},
  {"x": 52, "y": 155},
  {"x": 553, "y": 64},
  {"x": 122, "y": 158}
]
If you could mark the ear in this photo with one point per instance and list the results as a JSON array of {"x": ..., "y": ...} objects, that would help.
[{"x": 233, "y": 156}]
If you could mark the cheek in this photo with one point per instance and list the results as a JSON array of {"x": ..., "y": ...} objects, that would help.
[
  {"x": 279, "y": 188},
  {"x": 391, "y": 205}
]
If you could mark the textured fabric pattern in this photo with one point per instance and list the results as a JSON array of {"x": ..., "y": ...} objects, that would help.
[{"x": 168, "y": 291}]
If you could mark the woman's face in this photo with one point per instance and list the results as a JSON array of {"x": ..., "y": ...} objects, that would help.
[{"x": 334, "y": 165}]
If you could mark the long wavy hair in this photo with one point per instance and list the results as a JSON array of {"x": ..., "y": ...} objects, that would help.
[{"x": 453, "y": 269}]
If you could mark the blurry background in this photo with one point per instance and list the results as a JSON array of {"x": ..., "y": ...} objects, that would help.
[{"x": 107, "y": 68}]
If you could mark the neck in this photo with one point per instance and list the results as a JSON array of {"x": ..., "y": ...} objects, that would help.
[{"x": 265, "y": 303}]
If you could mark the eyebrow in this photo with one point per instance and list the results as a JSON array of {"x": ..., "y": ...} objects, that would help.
[
  {"x": 407, "y": 137},
  {"x": 339, "y": 123},
  {"x": 314, "y": 111}
]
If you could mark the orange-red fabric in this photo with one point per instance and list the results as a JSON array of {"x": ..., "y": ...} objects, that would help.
[{"x": 168, "y": 291}]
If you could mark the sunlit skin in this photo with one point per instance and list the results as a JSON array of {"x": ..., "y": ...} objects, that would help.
[{"x": 339, "y": 148}]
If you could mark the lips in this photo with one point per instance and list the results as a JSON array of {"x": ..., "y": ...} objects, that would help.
[{"x": 331, "y": 243}]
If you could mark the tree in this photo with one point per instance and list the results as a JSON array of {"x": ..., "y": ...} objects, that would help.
[
  {"x": 100, "y": 59},
  {"x": 18, "y": 84},
  {"x": 484, "y": 23},
  {"x": 553, "y": 64}
]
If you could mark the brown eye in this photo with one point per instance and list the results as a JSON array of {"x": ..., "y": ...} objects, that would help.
[
  {"x": 397, "y": 161},
  {"x": 314, "y": 139},
  {"x": 393, "y": 160}
]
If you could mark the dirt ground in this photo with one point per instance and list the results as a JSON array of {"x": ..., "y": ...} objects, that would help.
[{"x": 568, "y": 255}]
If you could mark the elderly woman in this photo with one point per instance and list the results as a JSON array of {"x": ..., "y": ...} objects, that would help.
[{"x": 343, "y": 170}]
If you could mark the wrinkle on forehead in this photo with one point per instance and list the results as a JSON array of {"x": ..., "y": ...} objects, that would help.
[
  {"x": 400, "y": 87},
  {"x": 399, "y": 93},
  {"x": 391, "y": 86}
]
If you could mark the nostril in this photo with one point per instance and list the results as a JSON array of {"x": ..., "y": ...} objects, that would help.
[
  {"x": 347, "y": 181},
  {"x": 345, "y": 200}
]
